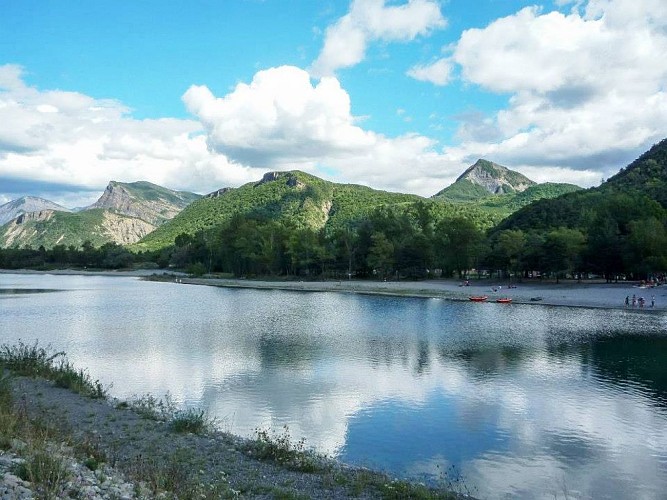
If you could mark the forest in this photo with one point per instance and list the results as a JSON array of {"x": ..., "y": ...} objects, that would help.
[{"x": 617, "y": 236}]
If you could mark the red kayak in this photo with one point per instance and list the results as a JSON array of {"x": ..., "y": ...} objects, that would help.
[
  {"x": 478, "y": 298},
  {"x": 504, "y": 300}
]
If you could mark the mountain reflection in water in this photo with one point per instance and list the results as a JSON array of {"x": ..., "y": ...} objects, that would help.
[{"x": 525, "y": 401}]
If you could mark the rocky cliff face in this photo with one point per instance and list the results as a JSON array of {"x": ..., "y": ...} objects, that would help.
[
  {"x": 21, "y": 230},
  {"x": 145, "y": 201},
  {"x": 125, "y": 230},
  {"x": 27, "y": 204},
  {"x": 495, "y": 178}
]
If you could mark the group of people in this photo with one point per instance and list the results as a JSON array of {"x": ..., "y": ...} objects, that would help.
[{"x": 638, "y": 301}]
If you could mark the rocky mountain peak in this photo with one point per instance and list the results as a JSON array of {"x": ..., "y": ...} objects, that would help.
[
  {"x": 9, "y": 211},
  {"x": 143, "y": 200},
  {"x": 495, "y": 178},
  {"x": 291, "y": 179}
]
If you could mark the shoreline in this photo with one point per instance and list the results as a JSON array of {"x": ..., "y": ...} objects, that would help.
[
  {"x": 106, "y": 448},
  {"x": 586, "y": 295},
  {"x": 599, "y": 295}
]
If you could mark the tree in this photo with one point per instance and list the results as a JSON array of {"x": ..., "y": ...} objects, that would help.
[
  {"x": 459, "y": 245},
  {"x": 562, "y": 250},
  {"x": 646, "y": 248},
  {"x": 381, "y": 254},
  {"x": 507, "y": 250}
]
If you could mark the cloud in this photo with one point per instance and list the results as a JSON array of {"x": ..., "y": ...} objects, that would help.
[
  {"x": 68, "y": 138},
  {"x": 438, "y": 73},
  {"x": 280, "y": 117},
  {"x": 587, "y": 89},
  {"x": 282, "y": 120},
  {"x": 370, "y": 20}
]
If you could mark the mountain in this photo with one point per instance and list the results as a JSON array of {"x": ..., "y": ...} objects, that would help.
[
  {"x": 125, "y": 213},
  {"x": 497, "y": 190},
  {"x": 50, "y": 227},
  {"x": 637, "y": 191},
  {"x": 294, "y": 197},
  {"x": 484, "y": 179},
  {"x": 144, "y": 200},
  {"x": 27, "y": 204}
]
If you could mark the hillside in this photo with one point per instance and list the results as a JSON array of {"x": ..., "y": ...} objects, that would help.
[
  {"x": 125, "y": 213},
  {"x": 49, "y": 228},
  {"x": 298, "y": 200},
  {"x": 144, "y": 200},
  {"x": 637, "y": 191},
  {"x": 497, "y": 190},
  {"x": 27, "y": 204}
]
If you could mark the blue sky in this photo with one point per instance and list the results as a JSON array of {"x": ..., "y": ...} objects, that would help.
[{"x": 400, "y": 95}]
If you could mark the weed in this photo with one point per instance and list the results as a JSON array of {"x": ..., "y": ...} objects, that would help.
[
  {"x": 152, "y": 408},
  {"x": 35, "y": 361},
  {"x": 179, "y": 474},
  {"x": 191, "y": 420},
  {"x": 281, "y": 449},
  {"x": 47, "y": 471}
]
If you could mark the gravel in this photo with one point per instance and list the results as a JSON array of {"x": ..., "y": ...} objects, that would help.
[{"x": 140, "y": 453}]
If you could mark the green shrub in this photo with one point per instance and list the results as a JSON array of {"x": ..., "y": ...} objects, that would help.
[{"x": 191, "y": 420}]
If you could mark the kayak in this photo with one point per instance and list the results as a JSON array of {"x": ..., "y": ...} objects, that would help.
[
  {"x": 504, "y": 300},
  {"x": 478, "y": 298}
]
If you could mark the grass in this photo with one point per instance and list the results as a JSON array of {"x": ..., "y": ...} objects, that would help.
[
  {"x": 180, "y": 473},
  {"x": 42, "y": 465},
  {"x": 191, "y": 421},
  {"x": 32, "y": 360},
  {"x": 280, "y": 448}
]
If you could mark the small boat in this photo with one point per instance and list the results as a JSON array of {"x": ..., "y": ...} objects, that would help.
[
  {"x": 478, "y": 298},
  {"x": 504, "y": 300}
]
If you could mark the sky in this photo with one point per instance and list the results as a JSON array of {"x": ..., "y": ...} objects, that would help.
[{"x": 399, "y": 95}]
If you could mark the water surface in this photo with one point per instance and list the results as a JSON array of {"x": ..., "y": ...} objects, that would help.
[{"x": 522, "y": 401}]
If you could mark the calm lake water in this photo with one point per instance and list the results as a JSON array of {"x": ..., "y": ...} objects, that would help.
[{"x": 521, "y": 401}]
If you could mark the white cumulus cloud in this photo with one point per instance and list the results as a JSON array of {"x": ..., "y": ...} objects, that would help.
[
  {"x": 587, "y": 88},
  {"x": 369, "y": 20},
  {"x": 70, "y": 139}
]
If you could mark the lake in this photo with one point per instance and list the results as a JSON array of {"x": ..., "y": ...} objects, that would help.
[{"x": 520, "y": 401}]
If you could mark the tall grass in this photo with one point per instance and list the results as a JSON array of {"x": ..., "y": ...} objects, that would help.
[{"x": 32, "y": 360}]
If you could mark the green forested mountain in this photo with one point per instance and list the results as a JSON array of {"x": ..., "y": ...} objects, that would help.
[
  {"x": 617, "y": 228},
  {"x": 297, "y": 200},
  {"x": 637, "y": 190}
]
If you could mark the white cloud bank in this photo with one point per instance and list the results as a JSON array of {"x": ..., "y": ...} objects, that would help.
[
  {"x": 371, "y": 20},
  {"x": 587, "y": 95},
  {"x": 587, "y": 88},
  {"x": 67, "y": 138}
]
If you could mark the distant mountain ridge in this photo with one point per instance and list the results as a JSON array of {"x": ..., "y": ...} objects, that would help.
[
  {"x": 27, "y": 204},
  {"x": 124, "y": 213}
]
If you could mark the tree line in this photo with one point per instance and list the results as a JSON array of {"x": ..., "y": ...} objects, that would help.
[{"x": 622, "y": 237}]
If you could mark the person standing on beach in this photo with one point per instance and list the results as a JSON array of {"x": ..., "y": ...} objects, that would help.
[
  {"x": 634, "y": 300},
  {"x": 652, "y": 301},
  {"x": 627, "y": 300}
]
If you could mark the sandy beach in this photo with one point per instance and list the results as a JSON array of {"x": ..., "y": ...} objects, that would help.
[
  {"x": 565, "y": 293},
  {"x": 570, "y": 294}
]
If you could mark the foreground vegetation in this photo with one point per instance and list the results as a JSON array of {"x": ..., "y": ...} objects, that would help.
[{"x": 163, "y": 451}]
